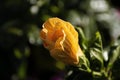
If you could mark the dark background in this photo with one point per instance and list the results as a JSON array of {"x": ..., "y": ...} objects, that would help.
[{"x": 22, "y": 55}]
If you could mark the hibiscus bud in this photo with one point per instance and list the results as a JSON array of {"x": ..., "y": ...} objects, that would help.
[{"x": 61, "y": 39}]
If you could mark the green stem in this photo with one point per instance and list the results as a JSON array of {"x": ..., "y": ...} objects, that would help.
[{"x": 94, "y": 73}]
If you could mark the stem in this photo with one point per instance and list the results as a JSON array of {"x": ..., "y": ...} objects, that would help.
[{"x": 97, "y": 73}]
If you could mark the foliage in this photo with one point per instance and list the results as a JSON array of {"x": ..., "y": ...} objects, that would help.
[
  {"x": 23, "y": 56},
  {"x": 96, "y": 67}
]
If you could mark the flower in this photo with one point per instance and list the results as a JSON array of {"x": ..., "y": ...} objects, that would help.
[{"x": 61, "y": 39}]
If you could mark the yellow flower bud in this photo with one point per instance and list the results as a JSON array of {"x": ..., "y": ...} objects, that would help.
[{"x": 61, "y": 39}]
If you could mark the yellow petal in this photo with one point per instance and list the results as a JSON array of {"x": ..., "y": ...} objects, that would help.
[{"x": 61, "y": 39}]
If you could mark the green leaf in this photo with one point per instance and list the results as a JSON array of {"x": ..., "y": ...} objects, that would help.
[
  {"x": 15, "y": 31},
  {"x": 82, "y": 39},
  {"x": 113, "y": 56},
  {"x": 22, "y": 71},
  {"x": 84, "y": 64},
  {"x": 17, "y": 53},
  {"x": 96, "y": 48},
  {"x": 96, "y": 51}
]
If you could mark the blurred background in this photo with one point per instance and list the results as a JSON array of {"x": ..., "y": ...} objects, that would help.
[{"x": 22, "y": 55}]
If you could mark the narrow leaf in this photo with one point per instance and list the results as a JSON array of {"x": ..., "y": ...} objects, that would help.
[
  {"x": 114, "y": 55},
  {"x": 82, "y": 38},
  {"x": 96, "y": 48}
]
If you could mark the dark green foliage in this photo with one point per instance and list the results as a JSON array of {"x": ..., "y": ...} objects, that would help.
[
  {"x": 93, "y": 63},
  {"x": 22, "y": 55}
]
